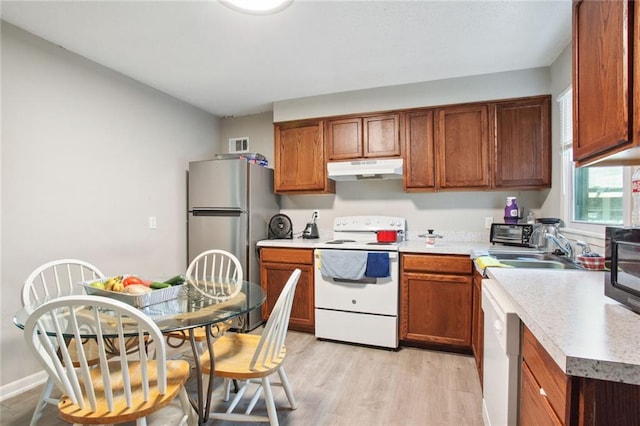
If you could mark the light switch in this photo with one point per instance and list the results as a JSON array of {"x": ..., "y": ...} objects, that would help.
[{"x": 153, "y": 222}]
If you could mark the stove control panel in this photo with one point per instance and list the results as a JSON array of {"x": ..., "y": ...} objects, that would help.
[{"x": 369, "y": 223}]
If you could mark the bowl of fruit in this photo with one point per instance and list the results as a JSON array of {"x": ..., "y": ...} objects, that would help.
[
  {"x": 134, "y": 290},
  {"x": 591, "y": 261}
]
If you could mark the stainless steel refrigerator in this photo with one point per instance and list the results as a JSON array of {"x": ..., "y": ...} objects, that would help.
[{"x": 230, "y": 203}]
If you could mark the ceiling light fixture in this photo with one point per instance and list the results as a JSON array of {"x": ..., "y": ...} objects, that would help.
[{"x": 257, "y": 7}]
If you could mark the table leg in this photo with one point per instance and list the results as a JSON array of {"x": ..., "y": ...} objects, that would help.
[
  {"x": 196, "y": 360},
  {"x": 212, "y": 365},
  {"x": 203, "y": 408}
]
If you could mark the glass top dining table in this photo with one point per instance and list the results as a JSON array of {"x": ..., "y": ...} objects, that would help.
[{"x": 183, "y": 314}]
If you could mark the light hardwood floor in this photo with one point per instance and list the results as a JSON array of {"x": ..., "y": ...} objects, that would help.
[{"x": 342, "y": 384}]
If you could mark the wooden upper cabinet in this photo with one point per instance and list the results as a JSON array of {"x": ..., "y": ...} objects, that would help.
[
  {"x": 344, "y": 138},
  {"x": 419, "y": 164},
  {"x": 381, "y": 136},
  {"x": 462, "y": 147},
  {"x": 606, "y": 92},
  {"x": 299, "y": 158},
  {"x": 523, "y": 143},
  {"x": 372, "y": 136}
]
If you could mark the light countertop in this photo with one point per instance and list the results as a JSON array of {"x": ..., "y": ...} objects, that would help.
[
  {"x": 585, "y": 332},
  {"x": 291, "y": 243},
  {"x": 414, "y": 246}
]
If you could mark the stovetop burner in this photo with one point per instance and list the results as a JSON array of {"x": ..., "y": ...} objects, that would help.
[{"x": 340, "y": 241}]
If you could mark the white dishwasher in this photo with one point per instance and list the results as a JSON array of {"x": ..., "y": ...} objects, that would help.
[{"x": 501, "y": 376}]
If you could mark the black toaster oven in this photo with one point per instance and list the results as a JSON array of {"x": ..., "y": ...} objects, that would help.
[{"x": 514, "y": 234}]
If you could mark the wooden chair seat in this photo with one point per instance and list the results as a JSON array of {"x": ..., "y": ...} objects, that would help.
[
  {"x": 233, "y": 355},
  {"x": 177, "y": 375}
]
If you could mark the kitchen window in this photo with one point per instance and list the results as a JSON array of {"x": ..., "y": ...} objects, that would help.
[{"x": 593, "y": 197}]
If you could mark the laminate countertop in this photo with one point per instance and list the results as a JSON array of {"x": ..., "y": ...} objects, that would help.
[
  {"x": 585, "y": 332},
  {"x": 413, "y": 246}
]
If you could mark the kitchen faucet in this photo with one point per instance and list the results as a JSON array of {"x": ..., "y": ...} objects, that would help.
[{"x": 563, "y": 243}]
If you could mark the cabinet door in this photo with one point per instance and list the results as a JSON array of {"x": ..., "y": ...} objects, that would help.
[
  {"x": 299, "y": 158},
  {"x": 523, "y": 143},
  {"x": 436, "y": 309},
  {"x": 344, "y": 139},
  {"x": 273, "y": 278},
  {"x": 381, "y": 137},
  {"x": 534, "y": 407},
  {"x": 462, "y": 146},
  {"x": 477, "y": 317},
  {"x": 419, "y": 164},
  {"x": 602, "y": 78}
]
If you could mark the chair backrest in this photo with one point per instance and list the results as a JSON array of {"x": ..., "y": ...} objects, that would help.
[
  {"x": 216, "y": 274},
  {"x": 64, "y": 318},
  {"x": 271, "y": 342},
  {"x": 57, "y": 278}
]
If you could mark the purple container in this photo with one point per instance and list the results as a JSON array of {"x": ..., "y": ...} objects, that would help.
[{"x": 511, "y": 211}]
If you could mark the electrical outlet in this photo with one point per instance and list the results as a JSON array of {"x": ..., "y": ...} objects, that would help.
[
  {"x": 153, "y": 222},
  {"x": 316, "y": 214},
  {"x": 487, "y": 222}
]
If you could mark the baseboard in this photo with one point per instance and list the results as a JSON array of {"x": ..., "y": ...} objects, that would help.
[{"x": 19, "y": 386}]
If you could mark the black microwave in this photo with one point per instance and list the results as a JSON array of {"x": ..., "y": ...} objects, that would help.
[{"x": 622, "y": 260}]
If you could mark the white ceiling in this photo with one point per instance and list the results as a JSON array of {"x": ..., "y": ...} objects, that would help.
[{"x": 232, "y": 64}]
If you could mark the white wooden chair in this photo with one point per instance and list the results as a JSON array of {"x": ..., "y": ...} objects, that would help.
[
  {"x": 216, "y": 274},
  {"x": 254, "y": 358},
  {"x": 49, "y": 281},
  {"x": 113, "y": 391}
]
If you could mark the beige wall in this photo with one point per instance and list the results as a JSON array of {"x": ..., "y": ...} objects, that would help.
[
  {"x": 87, "y": 156},
  {"x": 259, "y": 129}
]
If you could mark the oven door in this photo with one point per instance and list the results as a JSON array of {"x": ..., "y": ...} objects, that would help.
[{"x": 370, "y": 295}]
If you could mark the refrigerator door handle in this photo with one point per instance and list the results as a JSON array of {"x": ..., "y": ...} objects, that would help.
[{"x": 218, "y": 212}]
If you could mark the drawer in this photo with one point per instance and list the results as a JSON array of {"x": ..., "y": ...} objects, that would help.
[
  {"x": 286, "y": 255},
  {"x": 437, "y": 263},
  {"x": 546, "y": 373}
]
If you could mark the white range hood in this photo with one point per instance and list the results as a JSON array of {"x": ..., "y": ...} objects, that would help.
[{"x": 365, "y": 169}]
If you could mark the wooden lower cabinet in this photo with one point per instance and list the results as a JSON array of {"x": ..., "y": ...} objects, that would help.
[
  {"x": 534, "y": 407},
  {"x": 477, "y": 318},
  {"x": 435, "y": 299},
  {"x": 276, "y": 265},
  {"x": 550, "y": 397}
]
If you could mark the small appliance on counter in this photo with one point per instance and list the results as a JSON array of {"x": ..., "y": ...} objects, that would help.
[
  {"x": 311, "y": 230},
  {"x": 622, "y": 258},
  {"x": 280, "y": 227},
  {"x": 512, "y": 234}
]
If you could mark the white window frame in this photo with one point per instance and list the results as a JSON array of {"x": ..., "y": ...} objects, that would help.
[{"x": 566, "y": 146}]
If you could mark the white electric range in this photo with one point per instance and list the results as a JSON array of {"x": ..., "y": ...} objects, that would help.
[{"x": 357, "y": 282}]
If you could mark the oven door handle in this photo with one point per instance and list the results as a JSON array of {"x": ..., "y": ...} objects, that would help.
[{"x": 365, "y": 280}]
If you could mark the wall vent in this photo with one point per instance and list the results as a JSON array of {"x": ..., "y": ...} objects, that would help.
[{"x": 239, "y": 144}]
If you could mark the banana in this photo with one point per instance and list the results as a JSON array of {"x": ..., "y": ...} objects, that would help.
[
  {"x": 112, "y": 282},
  {"x": 118, "y": 286}
]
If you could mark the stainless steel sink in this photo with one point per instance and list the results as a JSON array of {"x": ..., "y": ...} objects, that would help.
[
  {"x": 544, "y": 264},
  {"x": 524, "y": 259}
]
